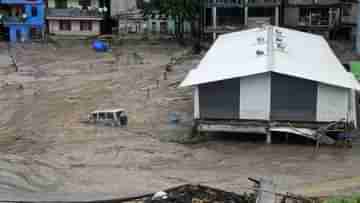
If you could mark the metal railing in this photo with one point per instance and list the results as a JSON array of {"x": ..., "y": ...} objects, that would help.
[
  {"x": 224, "y": 3},
  {"x": 73, "y": 12}
]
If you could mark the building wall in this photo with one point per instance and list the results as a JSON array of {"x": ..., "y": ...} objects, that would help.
[
  {"x": 51, "y": 3},
  {"x": 129, "y": 26},
  {"x": 220, "y": 100},
  {"x": 293, "y": 99},
  {"x": 273, "y": 96},
  {"x": 118, "y": 6},
  {"x": 311, "y": 2},
  {"x": 255, "y": 97},
  {"x": 154, "y": 25},
  {"x": 291, "y": 16},
  {"x": 54, "y": 28},
  {"x": 196, "y": 103},
  {"x": 327, "y": 2},
  {"x": 350, "y": 12},
  {"x": 72, "y": 3},
  {"x": 333, "y": 103}
]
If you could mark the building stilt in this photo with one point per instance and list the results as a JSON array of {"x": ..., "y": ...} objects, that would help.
[
  {"x": 268, "y": 137},
  {"x": 358, "y": 32}
]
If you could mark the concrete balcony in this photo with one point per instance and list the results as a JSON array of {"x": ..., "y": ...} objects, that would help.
[
  {"x": 224, "y": 3},
  {"x": 224, "y": 29},
  {"x": 263, "y": 3},
  {"x": 73, "y": 13},
  {"x": 12, "y": 20},
  {"x": 313, "y": 2},
  {"x": 21, "y": 1}
]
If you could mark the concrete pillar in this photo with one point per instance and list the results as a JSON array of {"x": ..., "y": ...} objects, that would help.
[
  {"x": 214, "y": 9},
  {"x": 358, "y": 31},
  {"x": 28, "y": 10},
  {"x": 277, "y": 16},
  {"x": 13, "y": 34},
  {"x": 24, "y": 34},
  {"x": 268, "y": 137},
  {"x": 196, "y": 103},
  {"x": 246, "y": 15}
]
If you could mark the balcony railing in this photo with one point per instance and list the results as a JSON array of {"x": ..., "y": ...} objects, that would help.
[
  {"x": 7, "y": 20},
  {"x": 264, "y": 2},
  {"x": 319, "y": 22},
  {"x": 74, "y": 12},
  {"x": 12, "y": 20},
  {"x": 224, "y": 29},
  {"x": 313, "y": 2},
  {"x": 21, "y": 2},
  {"x": 242, "y": 3},
  {"x": 224, "y": 3}
]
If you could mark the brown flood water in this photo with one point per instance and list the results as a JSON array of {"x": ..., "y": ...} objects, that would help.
[
  {"x": 129, "y": 162},
  {"x": 56, "y": 153}
]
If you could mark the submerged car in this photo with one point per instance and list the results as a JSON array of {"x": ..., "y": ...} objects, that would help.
[{"x": 111, "y": 117}]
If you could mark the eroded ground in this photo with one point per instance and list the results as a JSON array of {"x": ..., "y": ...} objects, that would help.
[{"x": 45, "y": 147}]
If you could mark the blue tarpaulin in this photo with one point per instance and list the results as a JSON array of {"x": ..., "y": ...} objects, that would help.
[{"x": 100, "y": 46}]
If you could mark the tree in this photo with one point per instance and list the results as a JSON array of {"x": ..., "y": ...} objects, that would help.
[{"x": 180, "y": 11}]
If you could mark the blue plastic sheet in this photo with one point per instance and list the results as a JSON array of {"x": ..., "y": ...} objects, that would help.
[{"x": 100, "y": 46}]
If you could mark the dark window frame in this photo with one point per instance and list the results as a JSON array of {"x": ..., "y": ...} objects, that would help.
[
  {"x": 86, "y": 25},
  {"x": 34, "y": 11},
  {"x": 65, "y": 25}
]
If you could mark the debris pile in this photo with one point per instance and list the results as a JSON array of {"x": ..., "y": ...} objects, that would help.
[{"x": 199, "y": 194}]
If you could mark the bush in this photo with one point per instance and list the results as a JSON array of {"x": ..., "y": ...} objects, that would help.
[{"x": 352, "y": 199}]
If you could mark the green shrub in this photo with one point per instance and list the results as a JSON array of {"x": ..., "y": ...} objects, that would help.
[{"x": 351, "y": 199}]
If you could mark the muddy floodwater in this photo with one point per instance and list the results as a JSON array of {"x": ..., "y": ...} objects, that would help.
[
  {"x": 46, "y": 148},
  {"x": 124, "y": 163}
]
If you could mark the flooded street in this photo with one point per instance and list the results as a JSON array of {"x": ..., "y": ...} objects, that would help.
[{"x": 46, "y": 148}]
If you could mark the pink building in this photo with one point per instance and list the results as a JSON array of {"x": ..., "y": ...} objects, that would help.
[{"x": 75, "y": 17}]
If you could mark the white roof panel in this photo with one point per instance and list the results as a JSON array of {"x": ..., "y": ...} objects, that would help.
[
  {"x": 306, "y": 56},
  {"x": 107, "y": 111}
]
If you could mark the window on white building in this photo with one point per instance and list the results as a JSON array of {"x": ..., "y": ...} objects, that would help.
[
  {"x": 65, "y": 25},
  {"x": 85, "y": 26}
]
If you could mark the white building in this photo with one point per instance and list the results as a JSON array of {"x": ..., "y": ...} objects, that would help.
[
  {"x": 271, "y": 75},
  {"x": 130, "y": 18},
  {"x": 74, "y": 17}
]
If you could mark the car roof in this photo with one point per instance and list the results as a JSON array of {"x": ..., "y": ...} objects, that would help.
[{"x": 107, "y": 111}]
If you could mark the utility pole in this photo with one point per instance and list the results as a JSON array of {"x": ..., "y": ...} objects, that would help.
[{"x": 214, "y": 14}]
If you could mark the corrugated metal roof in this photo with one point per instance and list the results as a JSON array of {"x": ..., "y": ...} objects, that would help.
[{"x": 306, "y": 56}]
